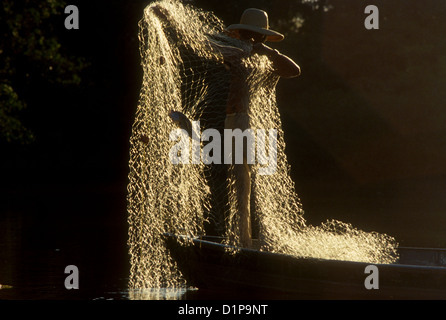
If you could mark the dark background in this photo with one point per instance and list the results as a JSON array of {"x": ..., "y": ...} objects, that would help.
[{"x": 364, "y": 126}]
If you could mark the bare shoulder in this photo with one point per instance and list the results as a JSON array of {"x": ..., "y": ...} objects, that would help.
[{"x": 224, "y": 48}]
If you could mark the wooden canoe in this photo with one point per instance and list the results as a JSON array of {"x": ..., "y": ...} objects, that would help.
[{"x": 420, "y": 273}]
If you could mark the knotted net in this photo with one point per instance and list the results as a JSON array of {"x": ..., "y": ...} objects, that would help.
[{"x": 182, "y": 59}]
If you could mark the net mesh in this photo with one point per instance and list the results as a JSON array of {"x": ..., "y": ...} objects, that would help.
[{"x": 182, "y": 59}]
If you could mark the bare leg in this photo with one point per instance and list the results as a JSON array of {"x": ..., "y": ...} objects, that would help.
[
  {"x": 242, "y": 183},
  {"x": 240, "y": 175}
]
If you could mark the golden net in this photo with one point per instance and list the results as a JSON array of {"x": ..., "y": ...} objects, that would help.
[{"x": 183, "y": 70}]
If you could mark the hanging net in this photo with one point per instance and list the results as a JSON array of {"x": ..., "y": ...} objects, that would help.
[{"x": 182, "y": 58}]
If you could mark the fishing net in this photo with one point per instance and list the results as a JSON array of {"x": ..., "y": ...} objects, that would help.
[{"x": 182, "y": 58}]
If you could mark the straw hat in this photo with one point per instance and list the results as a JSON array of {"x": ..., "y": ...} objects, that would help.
[{"x": 256, "y": 20}]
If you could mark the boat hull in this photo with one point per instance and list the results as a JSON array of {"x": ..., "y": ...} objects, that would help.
[{"x": 257, "y": 274}]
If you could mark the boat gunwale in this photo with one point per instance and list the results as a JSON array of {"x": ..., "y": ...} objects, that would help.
[{"x": 197, "y": 240}]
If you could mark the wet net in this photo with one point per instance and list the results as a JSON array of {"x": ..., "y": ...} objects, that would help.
[{"x": 182, "y": 57}]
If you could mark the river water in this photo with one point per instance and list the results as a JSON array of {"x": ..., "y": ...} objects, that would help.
[{"x": 46, "y": 229}]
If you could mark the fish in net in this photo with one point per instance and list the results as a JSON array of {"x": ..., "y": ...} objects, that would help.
[{"x": 182, "y": 57}]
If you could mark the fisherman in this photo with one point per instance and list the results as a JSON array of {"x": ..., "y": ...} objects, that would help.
[{"x": 254, "y": 30}]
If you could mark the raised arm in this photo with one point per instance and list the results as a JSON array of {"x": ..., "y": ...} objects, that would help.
[
  {"x": 284, "y": 66},
  {"x": 230, "y": 54},
  {"x": 166, "y": 18}
]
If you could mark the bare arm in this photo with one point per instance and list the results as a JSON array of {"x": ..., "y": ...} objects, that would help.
[
  {"x": 161, "y": 13},
  {"x": 230, "y": 54},
  {"x": 284, "y": 66},
  {"x": 168, "y": 21}
]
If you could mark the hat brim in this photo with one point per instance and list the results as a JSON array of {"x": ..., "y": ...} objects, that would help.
[{"x": 271, "y": 35}]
